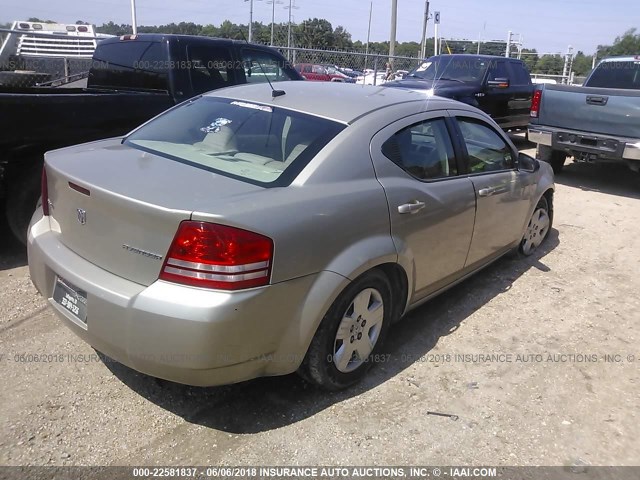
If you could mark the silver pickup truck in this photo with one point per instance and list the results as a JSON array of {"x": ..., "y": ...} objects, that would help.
[{"x": 597, "y": 122}]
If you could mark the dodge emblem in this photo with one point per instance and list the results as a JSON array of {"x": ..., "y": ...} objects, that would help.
[{"x": 82, "y": 216}]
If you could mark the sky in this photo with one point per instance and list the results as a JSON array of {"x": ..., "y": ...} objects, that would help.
[{"x": 549, "y": 26}]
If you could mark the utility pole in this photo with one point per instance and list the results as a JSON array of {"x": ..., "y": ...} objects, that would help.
[
  {"x": 250, "y": 19},
  {"x": 290, "y": 7},
  {"x": 423, "y": 48},
  {"x": 134, "y": 23},
  {"x": 508, "y": 51},
  {"x": 484, "y": 29},
  {"x": 519, "y": 46},
  {"x": 436, "y": 24},
  {"x": 392, "y": 39},
  {"x": 273, "y": 15},
  {"x": 566, "y": 70},
  {"x": 366, "y": 51}
]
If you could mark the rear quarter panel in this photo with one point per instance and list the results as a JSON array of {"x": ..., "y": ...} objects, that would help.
[{"x": 333, "y": 217}]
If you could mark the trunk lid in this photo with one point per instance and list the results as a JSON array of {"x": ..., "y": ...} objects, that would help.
[
  {"x": 119, "y": 208},
  {"x": 589, "y": 109}
]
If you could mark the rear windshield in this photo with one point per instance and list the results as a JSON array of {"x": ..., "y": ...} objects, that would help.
[
  {"x": 125, "y": 65},
  {"x": 468, "y": 69},
  {"x": 616, "y": 75},
  {"x": 256, "y": 143}
]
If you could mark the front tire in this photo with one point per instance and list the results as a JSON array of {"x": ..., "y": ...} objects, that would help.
[
  {"x": 555, "y": 158},
  {"x": 538, "y": 228},
  {"x": 351, "y": 334}
]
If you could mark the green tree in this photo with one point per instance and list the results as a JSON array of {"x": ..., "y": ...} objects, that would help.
[
  {"x": 36, "y": 19},
  {"x": 314, "y": 33},
  {"x": 111, "y": 28},
  {"x": 408, "y": 49},
  {"x": 626, "y": 44},
  {"x": 530, "y": 58},
  {"x": 342, "y": 38},
  {"x": 582, "y": 64},
  {"x": 550, "y": 65}
]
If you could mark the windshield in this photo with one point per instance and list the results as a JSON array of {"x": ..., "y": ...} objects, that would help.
[
  {"x": 468, "y": 70},
  {"x": 260, "y": 144},
  {"x": 616, "y": 75}
]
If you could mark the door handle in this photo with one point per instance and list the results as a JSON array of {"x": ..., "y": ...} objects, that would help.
[
  {"x": 597, "y": 100},
  {"x": 486, "y": 192},
  {"x": 412, "y": 207}
]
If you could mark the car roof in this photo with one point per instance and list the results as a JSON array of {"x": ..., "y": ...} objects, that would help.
[
  {"x": 161, "y": 37},
  {"x": 474, "y": 56},
  {"x": 343, "y": 102},
  {"x": 628, "y": 58}
]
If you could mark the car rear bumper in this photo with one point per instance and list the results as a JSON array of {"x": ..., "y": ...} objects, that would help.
[
  {"x": 597, "y": 145},
  {"x": 184, "y": 334}
]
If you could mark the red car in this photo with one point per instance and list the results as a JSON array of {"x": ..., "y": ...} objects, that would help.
[{"x": 317, "y": 73}]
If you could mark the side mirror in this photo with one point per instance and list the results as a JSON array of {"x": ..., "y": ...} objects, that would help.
[
  {"x": 527, "y": 163},
  {"x": 499, "y": 83}
]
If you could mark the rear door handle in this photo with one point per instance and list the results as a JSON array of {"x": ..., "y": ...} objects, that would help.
[
  {"x": 412, "y": 207},
  {"x": 486, "y": 192}
]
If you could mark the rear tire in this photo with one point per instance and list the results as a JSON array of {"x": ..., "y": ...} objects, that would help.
[
  {"x": 351, "y": 334},
  {"x": 555, "y": 158},
  {"x": 22, "y": 198}
]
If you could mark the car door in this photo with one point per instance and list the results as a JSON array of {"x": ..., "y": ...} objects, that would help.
[
  {"x": 431, "y": 207},
  {"x": 521, "y": 94},
  {"x": 497, "y": 95},
  {"x": 503, "y": 192}
]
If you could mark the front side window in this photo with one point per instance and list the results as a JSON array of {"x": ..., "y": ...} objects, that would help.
[
  {"x": 487, "y": 150},
  {"x": 260, "y": 65},
  {"x": 257, "y": 143},
  {"x": 423, "y": 150}
]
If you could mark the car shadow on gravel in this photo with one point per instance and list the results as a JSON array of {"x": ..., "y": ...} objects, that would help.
[
  {"x": 270, "y": 403},
  {"x": 12, "y": 253},
  {"x": 613, "y": 179}
]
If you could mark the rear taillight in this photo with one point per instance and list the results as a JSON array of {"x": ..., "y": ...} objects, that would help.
[
  {"x": 44, "y": 191},
  {"x": 535, "y": 103},
  {"x": 218, "y": 256}
]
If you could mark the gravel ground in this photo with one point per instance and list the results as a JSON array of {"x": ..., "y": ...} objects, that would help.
[{"x": 563, "y": 390}]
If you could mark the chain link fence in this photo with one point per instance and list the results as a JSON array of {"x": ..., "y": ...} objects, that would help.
[
  {"x": 29, "y": 71},
  {"x": 29, "y": 58},
  {"x": 359, "y": 61}
]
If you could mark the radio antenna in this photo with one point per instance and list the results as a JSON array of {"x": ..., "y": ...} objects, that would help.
[{"x": 274, "y": 93}]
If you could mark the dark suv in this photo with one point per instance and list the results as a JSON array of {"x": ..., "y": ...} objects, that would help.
[{"x": 499, "y": 86}]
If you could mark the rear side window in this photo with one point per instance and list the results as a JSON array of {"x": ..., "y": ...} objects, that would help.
[
  {"x": 520, "y": 74},
  {"x": 209, "y": 68},
  {"x": 616, "y": 75},
  {"x": 486, "y": 149},
  {"x": 130, "y": 65},
  {"x": 423, "y": 150},
  {"x": 259, "y": 64},
  {"x": 256, "y": 143},
  {"x": 498, "y": 70}
]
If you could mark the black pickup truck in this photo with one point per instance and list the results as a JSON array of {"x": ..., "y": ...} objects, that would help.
[
  {"x": 132, "y": 79},
  {"x": 498, "y": 86}
]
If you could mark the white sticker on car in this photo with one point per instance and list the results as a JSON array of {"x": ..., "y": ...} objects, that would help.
[
  {"x": 255, "y": 106},
  {"x": 216, "y": 125}
]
